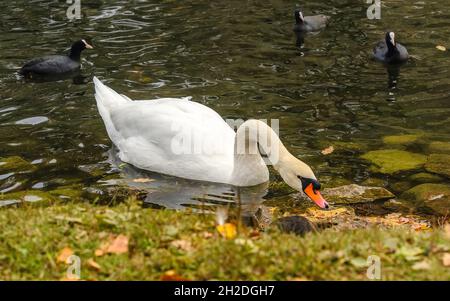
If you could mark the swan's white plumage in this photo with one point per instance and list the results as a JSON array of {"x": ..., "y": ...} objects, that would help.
[{"x": 146, "y": 131}]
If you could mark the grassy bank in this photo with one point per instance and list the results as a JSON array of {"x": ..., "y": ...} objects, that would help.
[{"x": 163, "y": 244}]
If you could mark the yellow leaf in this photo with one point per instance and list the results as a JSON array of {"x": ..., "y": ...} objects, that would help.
[
  {"x": 227, "y": 230},
  {"x": 64, "y": 255},
  {"x": 142, "y": 180},
  {"x": 441, "y": 48},
  {"x": 94, "y": 265},
  {"x": 183, "y": 245},
  {"x": 70, "y": 278},
  {"x": 115, "y": 245},
  {"x": 446, "y": 260},
  {"x": 328, "y": 150},
  {"x": 172, "y": 275}
]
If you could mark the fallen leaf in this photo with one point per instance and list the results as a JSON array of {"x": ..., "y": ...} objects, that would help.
[
  {"x": 70, "y": 278},
  {"x": 446, "y": 260},
  {"x": 227, "y": 230},
  {"x": 328, "y": 150},
  {"x": 441, "y": 48},
  {"x": 207, "y": 235},
  {"x": 92, "y": 264},
  {"x": 115, "y": 245},
  {"x": 410, "y": 253},
  {"x": 447, "y": 230},
  {"x": 182, "y": 244},
  {"x": 359, "y": 262},
  {"x": 143, "y": 180},
  {"x": 64, "y": 255},
  {"x": 172, "y": 275},
  {"x": 423, "y": 265}
]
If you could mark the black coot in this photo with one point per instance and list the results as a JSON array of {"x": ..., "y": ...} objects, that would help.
[
  {"x": 309, "y": 23},
  {"x": 56, "y": 64},
  {"x": 389, "y": 51}
]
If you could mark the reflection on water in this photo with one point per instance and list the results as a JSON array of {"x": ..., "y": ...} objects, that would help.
[
  {"x": 239, "y": 58},
  {"x": 176, "y": 193}
]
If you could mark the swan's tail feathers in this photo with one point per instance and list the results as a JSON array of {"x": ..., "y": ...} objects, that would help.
[{"x": 107, "y": 97}]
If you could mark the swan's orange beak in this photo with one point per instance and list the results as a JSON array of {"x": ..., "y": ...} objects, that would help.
[{"x": 316, "y": 197}]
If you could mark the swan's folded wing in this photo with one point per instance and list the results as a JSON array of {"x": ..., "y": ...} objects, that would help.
[{"x": 175, "y": 137}]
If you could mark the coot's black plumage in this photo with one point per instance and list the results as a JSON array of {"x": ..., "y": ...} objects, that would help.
[
  {"x": 389, "y": 51},
  {"x": 309, "y": 23},
  {"x": 56, "y": 64}
]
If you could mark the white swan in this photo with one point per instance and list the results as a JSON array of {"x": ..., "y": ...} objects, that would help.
[{"x": 186, "y": 139}]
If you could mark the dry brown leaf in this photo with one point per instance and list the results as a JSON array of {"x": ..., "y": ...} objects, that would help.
[
  {"x": 115, "y": 245},
  {"x": 447, "y": 230},
  {"x": 183, "y": 245},
  {"x": 64, "y": 255},
  {"x": 446, "y": 260},
  {"x": 441, "y": 48},
  {"x": 172, "y": 275},
  {"x": 70, "y": 278},
  {"x": 207, "y": 235},
  {"x": 328, "y": 150},
  {"x": 142, "y": 180},
  {"x": 94, "y": 265},
  {"x": 227, "y": 230}
]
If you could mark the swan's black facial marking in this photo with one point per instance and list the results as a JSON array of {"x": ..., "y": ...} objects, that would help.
[{"x": 306, "y": 181}]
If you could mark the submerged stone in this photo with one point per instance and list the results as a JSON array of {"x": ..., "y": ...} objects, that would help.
[
  {"x": 434, "y": 196},
  {"x": 299, "y": 225},
  {"x": 28, "y": 196},
  {"x": 401, "y": 139},
  {"x": 439, "y": 147},
  {"x": 438, "y": 163},
  {"x": 424, "y": 177},
  {"x": 353, "y": 194},
  {"x": 390, "y": 161},
  {"x": 15, "y": 164}
]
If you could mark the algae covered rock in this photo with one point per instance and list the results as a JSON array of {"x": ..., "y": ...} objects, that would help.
[
  {"x": 434, "y": 196},
  {"x": 390, "y": 161},
  {"x": 439, "y": 147},
  {"x": 15, "y": 164},
  {"x": 353, "y": 194},
  {"x": 424, "y": 177},
  {"x": 438, "y": 163},
  {"x": 28, "y": 196},
  {"x": 401, "y": 139}
]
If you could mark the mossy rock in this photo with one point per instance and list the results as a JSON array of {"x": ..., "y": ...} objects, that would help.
[
  {"x": 15, "y": 164},
  {"x": 401, "y": 206},
  {"x": 439, "y": 147},
  {"x": 424, "y": 177},
  {"x": 354, "y": 194},
  {"x": 73, "y": 193},
  {"x": 390, "y": 161},
  {"x": 374, "y": 182},
  {"x": 29, "y": 197},
  {"x": 438, "y": 163},
  {"x": 401, "y": 186},
  {"x": 434, "y": 196},
  {"x": 401, "y": 139}
]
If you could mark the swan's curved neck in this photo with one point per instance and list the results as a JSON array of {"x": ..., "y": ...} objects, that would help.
[{"x": 252, "y": 138}]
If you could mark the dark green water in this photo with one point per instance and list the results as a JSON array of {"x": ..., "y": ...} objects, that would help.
[{"x": 239, "y": 58}]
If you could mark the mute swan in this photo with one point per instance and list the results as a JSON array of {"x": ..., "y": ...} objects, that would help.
[{"x": 182, "y": 138}]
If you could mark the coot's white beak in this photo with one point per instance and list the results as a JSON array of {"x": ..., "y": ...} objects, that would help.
[
  {"x": 392, "y": 35},
  {"x": 300, "y": 15},
  {"x": 87, "y": 45}
]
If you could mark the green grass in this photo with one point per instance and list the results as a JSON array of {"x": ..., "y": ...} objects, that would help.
[{"x": 32, "y": 236}]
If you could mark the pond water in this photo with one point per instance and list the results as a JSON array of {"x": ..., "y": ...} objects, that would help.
[{"x": 239, "y": 58}]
